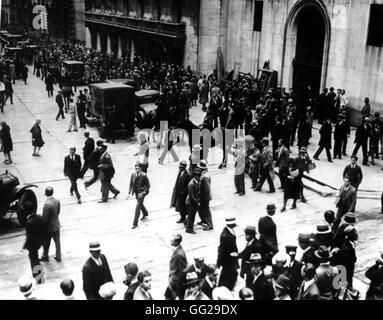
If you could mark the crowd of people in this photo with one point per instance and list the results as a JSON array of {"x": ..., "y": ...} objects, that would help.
[{"x": 232, "y": 104}]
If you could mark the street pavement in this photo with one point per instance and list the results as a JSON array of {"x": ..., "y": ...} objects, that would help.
[{"x": 149, "y": 244}]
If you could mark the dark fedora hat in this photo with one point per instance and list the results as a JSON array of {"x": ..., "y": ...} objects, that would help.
[
  {"x": 255, "y": 258},
  {"x": 283, "y": 282},
  {"x": 323, "y": 229},
  {"x": 323, "y": 253}
]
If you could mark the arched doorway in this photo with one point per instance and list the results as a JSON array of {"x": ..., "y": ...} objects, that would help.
[{"x": 306, "y": 47}]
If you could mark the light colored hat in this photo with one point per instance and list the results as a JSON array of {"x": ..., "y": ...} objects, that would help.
[
  {"x": 26, "y": 285},
  {"x": 192, "y": 278},
  {"x": 107, "y": 291},
  {"x": 202, "y": 165},
  {"x": 255, "y": 258},
  {"x": 231, "y": 220},
  {"x": 94, "y": 246},
  {"x": 222, "y": 293}
]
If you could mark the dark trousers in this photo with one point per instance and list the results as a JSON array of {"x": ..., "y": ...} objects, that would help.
[
  {"x": 282, "y": 176},
  {"x": 381, "y": 202},
  {"x": 239, "y": 182},
  {"x": 35, "y": 265},
  {"x": 84, "y": 169},
  {"x": 139, "y": 207},
  {"x": 174, "y": 290},
  {"x": 93, "y": 179},
  {"x": 228, "y": 278},
  {"x": 319, "y": 151},
  {"x": 254, "y": 178},
  {"x": 73, "y": 186},
  {"x": 265, "y": 175},
  {"x": 82, "y": 119},
  {"x": 344, "y": 145},
  {"x": 10, "y": 96},
  {"x": 50, "y": 93},
  {"x": 192, "y": 210},
  {"x": 56, "y": 238},
  {"x": 338, "y": 148},
  {"x": 364, "y": 149},
  {"x": 144, "y": 167},
  {"x": 60, "y": 113},
  {"x": 106, "y": 185},
  {"x": 205, "y": 213}
]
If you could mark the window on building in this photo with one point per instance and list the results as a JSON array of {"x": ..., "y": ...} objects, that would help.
[
  {"x": 258, "y": 14},
  {"x": 375, "y": 26}
]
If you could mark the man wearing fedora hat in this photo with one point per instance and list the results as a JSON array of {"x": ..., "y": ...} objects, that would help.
[
  {"x": 95, "y": 272},
  {"x": 267, "y": 167},
  {"x": 193, "y": 291},
  {"x": 192, "y": 200},
  {"x": 308, "y": 256},
  {"x": 308, "y": 290},
  {"x": 107, "y": 172},
  {"x": 294, "y": 268},
  {"x": 325, "y": 140},
  {"x": 253, "y": 245},
  {"x": 348, "y": 219},
  {"x": 205, "y": 196},
  {"x": 282, "y": 288},
  {"x": 346, "y": 200},
  {"x": 60, "y": 104},
  {"x": 259, "y": 284},
  {"x": 325, "y": 274},
  {"x": 341, "y": 131},
  {"x": 180, "y": 191},
  {"x": 27, "y": 287},
  {"x": 324, "y": 235},
  {"x": 227, "y": 255},
  {"x": 199, "y": 267},
  {"x": 268, "y": 233}
]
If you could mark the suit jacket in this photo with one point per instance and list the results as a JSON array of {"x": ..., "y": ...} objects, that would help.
[
  {"x": 51, "y": 213},
  {"x": 204, "y": 186},
  {"x": 342, "y": 129},
  {"x": 325, "y": 135},
  {"x": 206, "y": 288},
  {"x": 35, "y": 233},
  {"x": 177, "y": 266},
  {"x": 375, "y": 275},
  {"x": 106, "y": 166},
  {"x": 94, "y": 277},
  {"x": 283, "y": 158},
  {"x": 294, "y": 273},
  {"x": 254, "y": 247},
  {"x": 268, "y": 234},
  {"x": 267, "y": 157},
  {"x": 361, "y": 135},
  {"x": 88, "y": 148},
  {"x": 200, "y": 273},
  {"x": 139, "y": 185},
  {"x": 347, "y": 199},
  {"x": 140, "y": 294},
  {"x": 310, "y": 257},
  {"x": 262, "y": 288},
  {"x": 355, "y": 175},
  {"x": 193, "y": 193},
  {"x": 325, "y": 275},
  {"x": 227, "y": 245},
  {"x": 72, "y": 168},
  {"x": 129, "y": 293},
  {"x": 311, "y": 292},
  {"x": 180, "y": 190},
  {"x": 94, "y": 159}
]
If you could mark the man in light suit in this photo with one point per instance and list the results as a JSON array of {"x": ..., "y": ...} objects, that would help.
[
  {"x": 139, "y": 186},
  {"x": 95, "y": 272},
  {"x": 283, "y": 155},
  {"x": 177, "y": 266},
  {"x": 142, "y": 292},
  {"x": 106, "y": 174},
  {"x": 266, "y": 167},
  {"x": 180, "y": 191},
  {"x": 346, "y": 200},
  {"x": 51, "y": 221},
  {"x": 354, "y": 172},
  {"x": 72, "y": 167}
]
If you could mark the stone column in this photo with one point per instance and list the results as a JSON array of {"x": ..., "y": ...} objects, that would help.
[
  {"x": 166, "y": 11},
  {"x": 98, "y": 40},
  {"x": 149, "y": 7},
  {"x": 88, "y": 38},
  {"x": 119, "y": 46},
  {"x": 133, "y": 11},
  {"x": 108, "y": 44}
]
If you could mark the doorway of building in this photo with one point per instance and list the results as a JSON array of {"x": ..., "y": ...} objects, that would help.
[{"x": 309, "y": 51}]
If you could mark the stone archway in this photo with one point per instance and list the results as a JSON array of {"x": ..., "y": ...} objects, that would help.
[{"x": 301, "y": 63}]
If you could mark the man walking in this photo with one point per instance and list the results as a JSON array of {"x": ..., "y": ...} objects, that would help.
[
  {"x": 180, "y": 191},
  {"x": 283, "y": 162},
  {"x": 94, "y": 161},
  {"x": 192, "y": 200},
  {"x": 346, "y": 200},
  {"x": 268, "y": 233},
  {"x": 227, "y": 255},
  {"x": 106, "y": 174},
  {"x": 354, "y": 173},
  {"x": 139, "y": 186},
  {"x": 267, "y": 167},
  {"x": 361, "y": 139},
  {"x": 342, "y": 130},
  {"x": 95, "y": 272},
  {"x": 51, "y": 221},
  {"x": 205, "y": 196},
  {"x": 72, "y": 110},
  {"x": 87, "y": 151},
  {"x": 81, "y": 109},
  {"x": 177, "y": 266},
  {"x": 72, "y": 167},
  {"x": 325, "y": 140},
  {"x": 60, "y": 104}
]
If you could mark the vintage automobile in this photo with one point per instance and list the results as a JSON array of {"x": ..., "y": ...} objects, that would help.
[
  {"x": 108, "y": 94},
  {"x": 146, "y": 107},
  {"x": 13, "y": 197},
  {"x": 129, "y": 82},
  {"x": 73, "y": 73}
]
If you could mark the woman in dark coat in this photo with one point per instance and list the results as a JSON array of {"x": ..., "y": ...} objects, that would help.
[
  {"x": 6, "y": 142},
  {"x": 37, "y": 140},
  {"x": 292, "y": 186}
]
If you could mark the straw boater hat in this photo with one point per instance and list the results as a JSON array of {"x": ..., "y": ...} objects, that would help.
[
  {"x": 349, "y": 218},
  {"x": 202, "y": 165},
  {"x": 231, "y": 221},
  {"x": 26, "y": 285},
  {"x": 191, "y": 278},
  {"x": 323, "y": 229},
  {"x": 251, "y": 230},
  {"x": 94, "y": 246},
  {"x": 183, "y": 164},
  {"x": 255, "y": 258},
  {"x": 323, "y": 253}
]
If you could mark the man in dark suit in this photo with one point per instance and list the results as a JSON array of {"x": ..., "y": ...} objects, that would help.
[
  {"x": 283, "y": 155},
  {"x": 342, "y": 130},
  {"x": 260, "y": 285},
  {"x": 177, "y": 266},
  {"x": 106, "y": 174},
  {"x": 72, "y": 167},
  {"x": 268, "y": 234},
  {"x": 325, "y": 140},
  {"x": 205, "y": 196},
  {"x": 346, "y": 200},
  {"x": 51, "y": 220},
  {"x": 94, "y": 160},
  {"x": 87, "y": 151},
  {"x": 210, "y": 281},
  {"x": 199, "y": 267},
  {"x": 35, "y": 237},
  {"x": 95, "y": 272},
  {"x": 139, "y": 186},
  {"x": 253, "y": 246},
  {"x": 227, "y": 255},
  {"x": 131, "y": 271},
  {"x": 294, "y": 268},
  {"x": 308, "y": 290},
  {"x": 354, "y": 173},
  {"x": 192, "y": 200},
  {"x": 266, "y": 166},
  {"x": 375, "y": 275},
  {"x": 60, "y": 104},
  {"x": 180, "y": 191},
  {"x": 361, "y": 139},
  {"x": 308, "y": 256}
]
